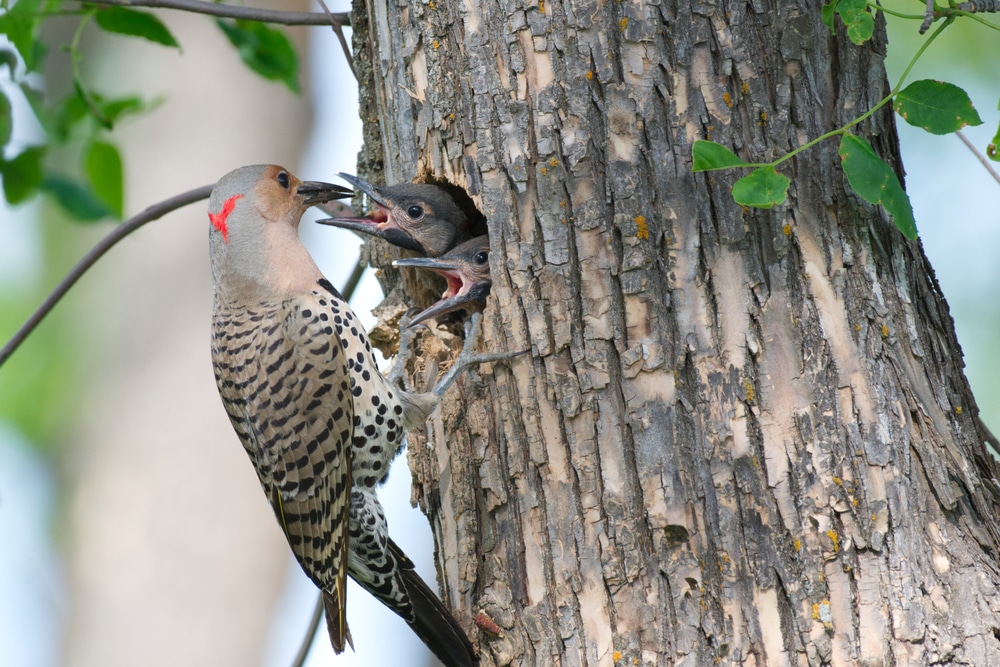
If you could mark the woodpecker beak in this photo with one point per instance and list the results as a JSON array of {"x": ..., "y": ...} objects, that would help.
[
  {"x": 378, "y": 222},
  {"x": 462, "y": 293},
  {"x": 317, "y": 192}
]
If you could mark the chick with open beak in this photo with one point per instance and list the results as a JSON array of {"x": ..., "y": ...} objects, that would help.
[{"x": 467, "y": 270}]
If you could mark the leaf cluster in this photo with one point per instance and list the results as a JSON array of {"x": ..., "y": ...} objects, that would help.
[
  {"x": 86, "y": 118},
  {"x": 936, "y": 106}
]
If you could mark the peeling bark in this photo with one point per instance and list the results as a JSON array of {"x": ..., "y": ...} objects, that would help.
[{"x": 741, "y": 436}]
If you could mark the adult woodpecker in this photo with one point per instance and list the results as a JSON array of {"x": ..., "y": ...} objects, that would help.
[
  {"x": 426, "y": 218},
  {"x": 466, "y": 267},
  {"x": 320, "y": 423}
]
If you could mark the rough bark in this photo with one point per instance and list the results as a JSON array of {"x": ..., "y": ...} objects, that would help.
[{"x": 741, "y": 436}]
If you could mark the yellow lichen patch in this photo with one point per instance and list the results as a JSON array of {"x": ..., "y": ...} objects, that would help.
[
  {"x": 431, "y": 4},
  {"x": 616, "y": 656},
  {"x": 797, "y": 545},
  {"x": 623, "y": 22},
  {"x": 544, "y": 171},
  {"x": 727, "y": 99},
  {"x": 748, "y": 389},
  {"x": 832, "y": 534},
  {"x": 553, "y": 162},
  {"x": 787, "y": 229},
  {"x": 763, "y": 118},
  {"x": 885, "y": 331},
  {"x": 857, "y": 327},
  {"x": 541, "y": 6},
  {"x": 838, "y": 481},
  {"x": 589, "y": 75},
  {"x": 958, "y": 409},
  {"x": 642, "y": 229},
  {"x": 436, "y": 44},
  {"x": 746, "y": 87}
]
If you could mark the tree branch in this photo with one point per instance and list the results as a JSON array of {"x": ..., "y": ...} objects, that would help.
[
  {"x": 117, "y": 234},
  {"x": 234, "y": 12}
]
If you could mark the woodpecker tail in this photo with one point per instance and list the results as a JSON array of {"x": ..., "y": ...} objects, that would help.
[
  {"x": 336, "y": 624},
  {"x": 429, "y": 618}
]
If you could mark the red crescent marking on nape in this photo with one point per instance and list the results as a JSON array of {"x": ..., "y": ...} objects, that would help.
[{"x": 218, "y": 220}]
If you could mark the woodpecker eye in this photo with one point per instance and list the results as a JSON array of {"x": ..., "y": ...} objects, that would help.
[
  {"x": 415, "y": 211},
  {"x": 283, "y": 179},
  {"x": 482, "y": 257}
]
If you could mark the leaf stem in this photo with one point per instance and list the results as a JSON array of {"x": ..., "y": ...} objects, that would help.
[{"x": 881, "y": 103}]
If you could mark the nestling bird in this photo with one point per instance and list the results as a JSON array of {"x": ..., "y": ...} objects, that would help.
[
  {"x": 427, "y": 218},
  {"x": 467, "y": 270},
  {"x": 320, "y": 423}
]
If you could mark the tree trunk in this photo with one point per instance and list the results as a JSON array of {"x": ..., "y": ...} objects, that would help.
[{"x": 741, "y": 436}]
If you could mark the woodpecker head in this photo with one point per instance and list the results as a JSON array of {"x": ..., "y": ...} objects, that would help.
[
  {"x": 467, "y": 270},
  {"x": 254, "y": 213},
  {"x": 421, "y": 217}
]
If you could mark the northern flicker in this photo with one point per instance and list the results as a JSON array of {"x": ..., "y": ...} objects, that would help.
[
  {"x": 319, "y": 421},
  {"x": 466, "y": 267},
  {"x": 427, "y": 218}
]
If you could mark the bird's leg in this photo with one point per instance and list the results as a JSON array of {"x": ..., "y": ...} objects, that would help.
[
  {"x": 407, "y": 335},
  {"x": 473, "y": 329}
]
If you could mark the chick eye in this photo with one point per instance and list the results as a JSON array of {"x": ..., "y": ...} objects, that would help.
[
  {"x": 415, "y": 211},
  {"x": 482, "y": 257},
  {"x": 283, "y": 179}
]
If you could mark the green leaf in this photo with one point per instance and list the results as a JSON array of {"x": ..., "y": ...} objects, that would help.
[
  {"x": 22, "y": 175},
  {"x": 9, "y": 58},
  {"x": 858, "y": 19},
  {"x": 936, "y": 106},
  {"x": 115, "y": 109},
  {"x": 6, "y": 121},
  {"x": 134, "y": 23},
  {"x": 265, "y": 50},
  {"x": 876, "y": 182},
  {"x": 828, "y": 13},
  {"x": 708, "y": 155},
  {"x": 20, "y": 24},
  {"x": 78, "y": 201},
  {"x": 103, "y": 166},
  {"x": 992, "y": 151},
  {"x": 761, "y": 188}
]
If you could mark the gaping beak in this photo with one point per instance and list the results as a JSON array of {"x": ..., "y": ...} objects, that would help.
[
  {"x": 471, "y": 300},
  {"x": 379, "y": 221},
  {"x": 317, "y": 192},
  {"x": 461, "y": 293}
]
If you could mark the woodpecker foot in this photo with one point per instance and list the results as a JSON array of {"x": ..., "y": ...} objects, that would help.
[
  {"x": 397, "y": 374},
  {"x": 467, "y": 358}
]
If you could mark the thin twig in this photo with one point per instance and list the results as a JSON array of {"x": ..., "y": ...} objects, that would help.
[
  {"x": 307, "y": 642},
  {"x": 353, "y": 280},
  {"x": 339, "y": 32},
  {"x": 234, "y": 11},
  {"x": 117, "y": 234},
  {"x": 982, "y": 158}
]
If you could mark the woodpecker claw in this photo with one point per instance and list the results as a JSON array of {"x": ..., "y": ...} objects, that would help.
[
  {"x": 467, "y": 358},
  {"x": 407, "y": 334}
]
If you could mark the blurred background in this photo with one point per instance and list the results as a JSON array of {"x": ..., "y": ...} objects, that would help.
[{"x": 132, "y": 528}]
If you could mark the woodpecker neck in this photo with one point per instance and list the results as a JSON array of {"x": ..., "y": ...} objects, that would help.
[{"x": 255, "y": 268}]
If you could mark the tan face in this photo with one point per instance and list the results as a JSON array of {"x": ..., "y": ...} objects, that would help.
[{"x": 275, "y": 196}]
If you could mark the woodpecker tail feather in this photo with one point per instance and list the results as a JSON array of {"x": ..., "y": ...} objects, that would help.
[
  {"x": 336, "y": 624},
  {"x": 431, "y": 620}
]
